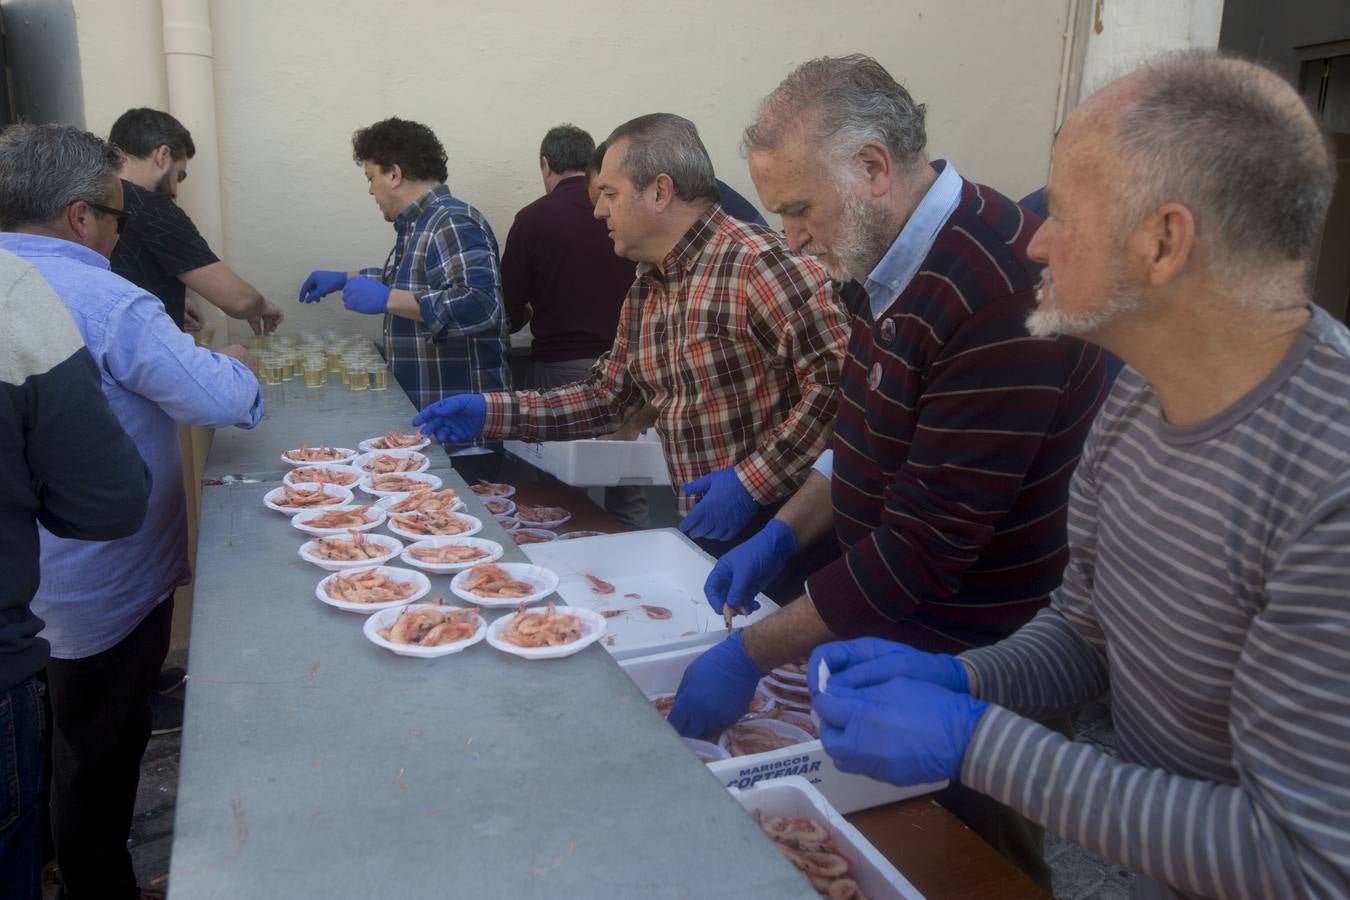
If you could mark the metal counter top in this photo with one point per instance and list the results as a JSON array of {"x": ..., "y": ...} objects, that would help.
[{"x": 315, "y": 764}]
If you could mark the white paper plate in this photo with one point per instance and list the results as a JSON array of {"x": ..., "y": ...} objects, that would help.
[
  {"x": 551, "y": 523},
  {"x": 546, "y": 581},
  {"x": 333, "y": 565},
  {"x": 367, "y": 446},
  {"x": 293, "y": 477},
  {"x": 475, "y": 526},
  {"x": 773, "y": 687},
  {"x": 507, "y": 506},
  {"x": 271, "y": 497},
  {"x": 385, "y": 618},
  {"x": 782, "y": 676},
  {"x": 592, "y": 622},
  {"x": 423, "y": 462},
  {"x": 510, "y": 523},
  {"x": 431, "y": 481},
  {"x": 780, "y": 728},
  {"x": 385, "y": 503},
  {"x": 348, "y": 454},
  {"x": 507, "y": 490},
  {"x": 493, "y": 549},
  {"x": 401, "y": 575},
  {"x": 375, "y": 514},
  {"x": 537, "y": 532}
]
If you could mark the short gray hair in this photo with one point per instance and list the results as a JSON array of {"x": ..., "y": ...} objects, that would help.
[
  {"x": 45, "y": 168},
  {"x": 664, "y": 143},
  {"x": 1235, "y": 145},
  {"x": 843, "y": 102}
]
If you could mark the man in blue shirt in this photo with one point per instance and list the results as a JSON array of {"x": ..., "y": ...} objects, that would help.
[
  {"x": 440, "y": 291},
  {"x": 108, "y": 606}
]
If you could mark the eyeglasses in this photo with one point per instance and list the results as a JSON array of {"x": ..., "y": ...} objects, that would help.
[{"x": 120, "y": 214}]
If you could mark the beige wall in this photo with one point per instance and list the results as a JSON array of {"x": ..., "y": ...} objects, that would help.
[{"x": 295, "y": 78}]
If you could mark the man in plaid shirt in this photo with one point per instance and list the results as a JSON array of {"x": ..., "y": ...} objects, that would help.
[
  {"x": 439, "y": 290},
  {"x": 735, "y": 341}
]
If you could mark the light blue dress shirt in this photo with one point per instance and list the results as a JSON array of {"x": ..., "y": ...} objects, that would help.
[
  {"x": 93, "y": 594},
  {"x": 901, "y": 263}
]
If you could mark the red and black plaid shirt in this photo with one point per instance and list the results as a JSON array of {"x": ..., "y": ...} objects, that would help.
[{"x": 738, "y": 344}]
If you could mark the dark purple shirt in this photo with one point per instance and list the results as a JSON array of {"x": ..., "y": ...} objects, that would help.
[{"x": 560, "y": 261}]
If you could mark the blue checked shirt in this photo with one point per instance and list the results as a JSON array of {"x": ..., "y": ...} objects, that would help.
[{"x": 446, "y": 256}]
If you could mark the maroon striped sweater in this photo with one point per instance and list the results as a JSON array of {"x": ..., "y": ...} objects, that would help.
[{"x": 956, "y": 436}]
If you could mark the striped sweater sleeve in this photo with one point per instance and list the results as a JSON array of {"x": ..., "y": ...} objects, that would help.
[{"x": 1283, "y": 829}]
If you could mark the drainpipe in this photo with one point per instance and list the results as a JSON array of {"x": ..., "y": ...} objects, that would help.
[{"x": 189, "y": 67}]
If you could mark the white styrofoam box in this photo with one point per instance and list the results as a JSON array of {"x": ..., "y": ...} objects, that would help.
[
  {"x": 660, "y": 673},
  {"x": 794, "y": 796},
  {"x": 660, "y": 567},
  {"x": 594, "y": 463}
]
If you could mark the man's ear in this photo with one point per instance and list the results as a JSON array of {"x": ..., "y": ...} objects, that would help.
[
  {"x": 162, "y": 156},
  {"x": 663, "y": 191}
]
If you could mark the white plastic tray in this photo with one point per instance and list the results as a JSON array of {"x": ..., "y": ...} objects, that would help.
[
  {"x": 662, "y": 567},
  {"x": 794, "y": 796},
  {"x": 660, "y": 673},
  {"x": 598, "y": 463}
]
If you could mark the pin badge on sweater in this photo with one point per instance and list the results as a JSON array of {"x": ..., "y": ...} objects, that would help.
[
  {"x": 887, "y": 330},
  {"x": 874, "y": 376}
]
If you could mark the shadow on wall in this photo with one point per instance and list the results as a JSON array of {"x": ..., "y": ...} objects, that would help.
[{"x": 42, "y": 61}]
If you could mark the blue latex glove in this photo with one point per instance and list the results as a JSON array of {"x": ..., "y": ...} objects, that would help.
[
  {"x": 748, "y": 568},
  {"x": 871, "y": 661},
  {"x": 726, "y": 507},
  {"x": 716, "y": 689},
  {"x": 454, "y": 420},
  {"x": 366, "y": 295},
  {"x": 904, "y": 731},
  {"x": 321, "y": 283}
]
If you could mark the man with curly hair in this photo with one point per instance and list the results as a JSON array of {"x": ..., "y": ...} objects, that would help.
[{"x": 439, "y": 290}]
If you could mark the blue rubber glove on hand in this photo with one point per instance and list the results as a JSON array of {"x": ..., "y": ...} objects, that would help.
[
  {"x": 716, "y": 689},
  {"x": 366, "y": 295},
  {"x": 454, "y": 420},
  {"x": 726, "y": 507},
  {"x": 321, "y": 283},
  {"x": 749, "y": 568},
  {"x": 904, "y": 731},
  {"x": 866, "y": 662}
]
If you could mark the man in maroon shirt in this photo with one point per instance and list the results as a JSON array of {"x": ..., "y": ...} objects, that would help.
[
  {"x": 561, "y": 276},
  {"x": 957, "y": 432}
]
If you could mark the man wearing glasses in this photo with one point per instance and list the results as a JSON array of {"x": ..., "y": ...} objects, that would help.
[
  {"x": 107, "y": 607},
  {"x": 161, "y": 250}
]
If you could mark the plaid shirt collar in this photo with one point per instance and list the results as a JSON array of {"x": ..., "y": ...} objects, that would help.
[
  {"x": 413, "y": 211},
  {"x": 689, "y": 247}
]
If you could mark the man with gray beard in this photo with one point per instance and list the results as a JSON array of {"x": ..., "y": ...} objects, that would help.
[
  {"x": 957, "y": 431},
  {"x": 1208, "y": 585}
]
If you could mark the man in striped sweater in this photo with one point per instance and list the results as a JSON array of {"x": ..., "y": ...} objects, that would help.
[
  {"x": 1208, "y": 586},
  {"x": 957, "y": 431}
]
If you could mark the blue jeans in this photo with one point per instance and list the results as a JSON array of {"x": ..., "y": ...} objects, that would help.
[{"x": 21, "y": 775}]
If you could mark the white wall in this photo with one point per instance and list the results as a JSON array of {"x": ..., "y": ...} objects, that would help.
[
  {"x": 1123, "y": 35},
  {"x": 295, "y": 78}
]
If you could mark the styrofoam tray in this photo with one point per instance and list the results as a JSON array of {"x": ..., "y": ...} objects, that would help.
[
  {"x": 368, "y": 445},
  {"x": 385, "y": 618},
  {"x": 425, "y": 478},
  {"x": 593, "y": 624},
  {"x": 375, "y": 514},
  {"x": 293, "y": 476},
  {"x": 421, "y": 584},
  {"x": 492, "y": 548},
  {"x": 594, "y": 463},
  {"x": 544, "y": 580},
  {"x": 659, "y": 673},
  {"x": 333, "y": 490},
  {"x": 422, "y": 460},
  {"x": 662, "y": 567},
  {"x": 347, "y": 455},
  {"x": 794, "y": 796}
]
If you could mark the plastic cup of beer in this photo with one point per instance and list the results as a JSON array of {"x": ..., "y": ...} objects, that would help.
[
  {"x": 316, "y": 370},
  {"x": 379, "y": 377}
]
